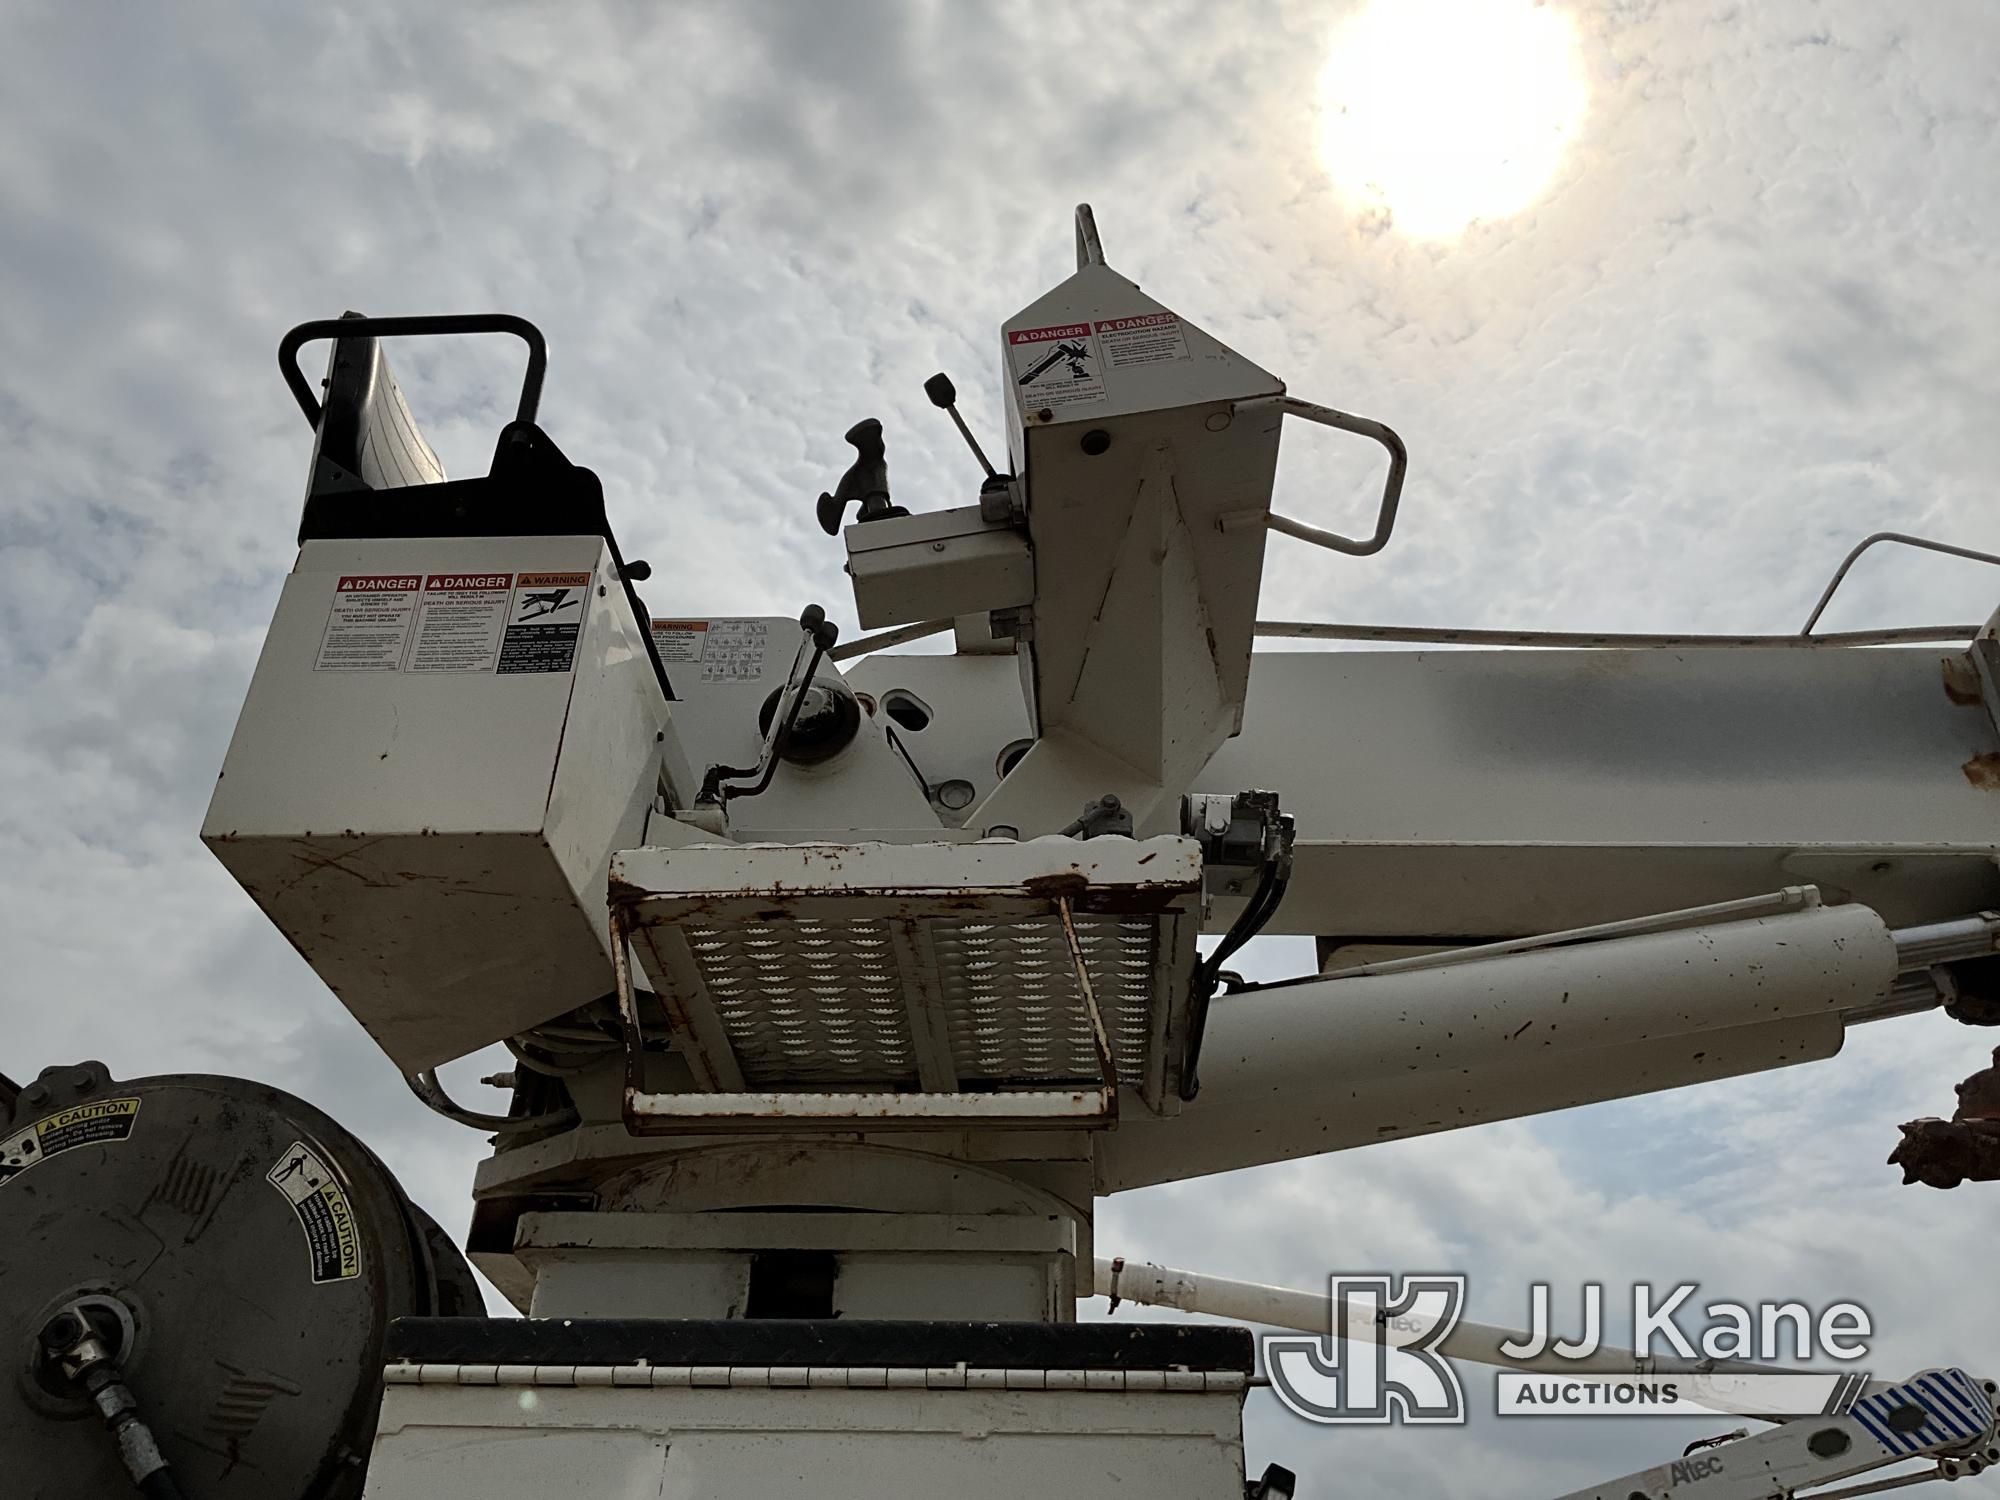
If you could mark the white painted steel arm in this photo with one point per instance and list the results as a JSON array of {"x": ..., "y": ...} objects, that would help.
[{"x": 1326, "y": 1064}]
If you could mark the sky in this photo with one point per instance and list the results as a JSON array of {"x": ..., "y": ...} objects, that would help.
[{"x": 1745, "y": 315}]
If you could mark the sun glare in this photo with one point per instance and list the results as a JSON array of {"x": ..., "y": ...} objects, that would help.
[{"x": 1441, "y": 113}]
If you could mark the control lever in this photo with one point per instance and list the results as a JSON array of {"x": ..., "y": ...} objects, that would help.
[
  {"x": 820, "y": 635},
  {"x": 944, "y": 395},
  {"x": 866, "y": 481}
]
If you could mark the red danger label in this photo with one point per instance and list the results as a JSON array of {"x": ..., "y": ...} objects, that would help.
[
  {"x": 447, "y": 582},
  {"x": 1121, "y": 325},
  {"x": 375, "y": 583},
  {"x": 1049, "y": 335}
]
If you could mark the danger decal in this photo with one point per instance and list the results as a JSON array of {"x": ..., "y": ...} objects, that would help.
[
  {"x": 1057, "y": 366},
  {"x": 100, "y": 1122},
  {"x": 1064, "y": 364},
  {"x": 368, "y": 628},
  {"x": 1148, "y": 339},
  {"x": 459, "y": 618},
  {"x": 503, "y": 623},
  {"x": 333, "y": 1243}
]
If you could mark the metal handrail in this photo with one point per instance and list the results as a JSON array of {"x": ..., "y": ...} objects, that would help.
[
  {"x": 1865, "y": 543},
  {"x": 1392, "y": 486},
  {"x": 444, "y": 323},
  {"x": 1442, "y": 635},
  {"x": 1456, "y": 635}
]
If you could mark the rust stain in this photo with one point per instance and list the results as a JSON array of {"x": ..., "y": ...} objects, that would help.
[
  {"x": 1983, "y": 770},
  {"x": 1072, "y": 883},
  {"x": 1961, "y": 682}
]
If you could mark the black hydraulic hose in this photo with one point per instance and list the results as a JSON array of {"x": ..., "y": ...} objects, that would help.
[
  {"x": 77, "y": 1349},
  {"x": 1262, "y": 906}
]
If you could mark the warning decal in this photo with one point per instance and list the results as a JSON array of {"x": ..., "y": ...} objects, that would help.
[
  {"x": 679, "y": 640},
  {"x": 458, "y": 622},
  {"x": 369, "y": 624},
  {"x": 1057, "y": 366},
  {"x": 323, "y": 1212},
  {"x": 1150, "y": 339},
  {"x": 454, "y": 622},
  {"x": 544, "y": 621},
  {"x": 91, "y": 1124},
  {"x": 725, "y": 650}
]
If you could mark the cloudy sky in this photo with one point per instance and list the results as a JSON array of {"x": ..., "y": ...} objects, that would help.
[{"x": 1745, "y": 314}]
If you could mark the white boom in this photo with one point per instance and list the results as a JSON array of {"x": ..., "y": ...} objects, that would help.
[{"x": 839, "y": 989}]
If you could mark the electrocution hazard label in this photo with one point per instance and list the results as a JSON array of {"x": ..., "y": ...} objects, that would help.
[
  {"x": 507, "y": 623},
  {"x": 1149, "y": 339},
  {"x": 1056, "y": 366},
  {"x": 323, "y": 1212},
  {"x": 93, "y": 1124},
  {"x": 544, "y": 622}
]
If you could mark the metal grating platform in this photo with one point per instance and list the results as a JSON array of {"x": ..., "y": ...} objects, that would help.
[{"x": 991, "y": 981}]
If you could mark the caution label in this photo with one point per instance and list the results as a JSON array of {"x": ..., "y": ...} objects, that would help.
[
  {"x": 459, "y": 618},
  {"x": 1057, "y": 366},
  {"x": 544, "y": 622},
  {"x": 94, "y": 1124},
  {"x": 320, "y": 1203},
  {"x": 1150, "y": 339},
  {"x": 368, "y": 626}
]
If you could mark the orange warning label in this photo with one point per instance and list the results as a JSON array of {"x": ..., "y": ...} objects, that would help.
[
  {"x": 554, "y": 580},
  {"x": 544, "y": 623}
]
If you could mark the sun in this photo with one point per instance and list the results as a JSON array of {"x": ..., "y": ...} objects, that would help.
[{"x": 1439, "y": 114}]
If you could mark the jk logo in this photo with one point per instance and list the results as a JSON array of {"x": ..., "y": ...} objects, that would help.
[{"x": 1380, "y": 1363}]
